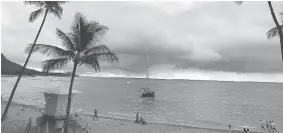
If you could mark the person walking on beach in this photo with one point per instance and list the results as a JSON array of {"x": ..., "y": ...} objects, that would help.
[
  {"x": 262, "y": 125},
  {"x": 229, "y": 127},
  {"x": 95, "y": 114}
]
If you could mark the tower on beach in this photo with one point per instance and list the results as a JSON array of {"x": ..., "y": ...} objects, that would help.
[{"x": 53, "y": 118}]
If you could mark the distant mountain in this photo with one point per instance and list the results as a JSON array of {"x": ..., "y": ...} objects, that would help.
[{"x": 11, "y": 68}]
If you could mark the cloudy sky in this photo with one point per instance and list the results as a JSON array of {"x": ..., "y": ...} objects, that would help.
[{"x": 191, "y": 40}]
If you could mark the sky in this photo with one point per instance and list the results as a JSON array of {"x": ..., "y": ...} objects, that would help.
[{"x": 183, "y": 40}]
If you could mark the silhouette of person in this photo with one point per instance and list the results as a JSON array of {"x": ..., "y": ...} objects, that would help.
[
  {"x": 95, "y": 114},
  {"x": 137, "y": 116}
]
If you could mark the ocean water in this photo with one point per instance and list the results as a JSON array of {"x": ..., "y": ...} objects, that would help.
[{"x": 198, "y": 103}]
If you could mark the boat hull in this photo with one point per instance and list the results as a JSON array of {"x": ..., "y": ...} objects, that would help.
[{"x": 150, "y": 94}]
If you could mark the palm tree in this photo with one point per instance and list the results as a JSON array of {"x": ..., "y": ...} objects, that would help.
[
  {"x": 278, "y": 29},
  {"x": 274, "y": 31},
  {"x": 82, "y": 46},
  {"x": 45, "y": 7}
]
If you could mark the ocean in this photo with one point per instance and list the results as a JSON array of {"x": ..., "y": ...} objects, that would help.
[{"x": 182, "y": 102}]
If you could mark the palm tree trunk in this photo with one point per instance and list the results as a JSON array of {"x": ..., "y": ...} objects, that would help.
[
  {"x": 22, "y": 71},
  {"x": 70, "y": 98},
  {"x": 280, "y": 33}
]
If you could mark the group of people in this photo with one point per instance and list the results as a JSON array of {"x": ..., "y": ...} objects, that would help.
[
  {"x": 140, "y": 119},
  {"x": 268, "y": 126},
  {"x": 246, "y": 130},
  {"x": 23, "y": 108},
  {"x": 146, "y": 90}
]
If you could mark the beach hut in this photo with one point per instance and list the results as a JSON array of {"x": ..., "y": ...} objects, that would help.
[
  {"x": 52, "y": 120},
  {"x": 56, "y": 103}
]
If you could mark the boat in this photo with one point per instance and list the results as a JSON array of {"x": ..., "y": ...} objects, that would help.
[{"x": 146, "y": 91}]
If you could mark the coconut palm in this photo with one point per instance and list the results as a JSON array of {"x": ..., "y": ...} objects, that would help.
[
  {"x": 276, "y": 30},
  {"x": 81, "y": 45},
  {"x": 45, "y": 7}
]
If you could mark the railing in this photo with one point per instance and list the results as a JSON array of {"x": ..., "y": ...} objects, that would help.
[{"x": 79, "y": 121}]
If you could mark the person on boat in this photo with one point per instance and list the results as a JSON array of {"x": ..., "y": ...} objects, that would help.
[
  {"x": 95, "y": 114},
  {"x": 143, "y": 90}
]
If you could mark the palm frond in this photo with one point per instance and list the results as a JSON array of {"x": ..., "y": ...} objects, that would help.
[
  {"x": 239, "y": 2},
  {"x": 55, "y": 12},
  {"x": 92, "y": 59},
  {"x": 34, "y": 15},
  {"x": 67, "y": 43},
  {"x": 96, "y": 49},
  {"x": 96, "y": 32},
  {"x": 62, "y": 2},
  {"x": 55, "y": 3},
  {"x": 54, "y": 64},
  {"x": 36, "y": 3},
  {"x": 78, "y": 31},
  {"x": 110, "y": 57},
  {"x": 58, "y": 8},
  {"x": 90, "y": 62},
  {"x": 86, "y": 33},
  {"x": 50, "y": 50},
  {"x": 273, "y": 32}
]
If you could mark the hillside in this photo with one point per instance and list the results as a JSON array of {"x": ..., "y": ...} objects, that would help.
[{"x": 10, "y": 68}]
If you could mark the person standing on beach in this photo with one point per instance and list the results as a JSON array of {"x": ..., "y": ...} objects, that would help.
[
  {"x": 137, "y": 116},
  {"x": 262, "y": 125},
  {"x": 229, "y": 128},
  {"x": 267, "y": 125},
  {"x": 273, "y": 126},
  {"x": 95, "y": 114}
]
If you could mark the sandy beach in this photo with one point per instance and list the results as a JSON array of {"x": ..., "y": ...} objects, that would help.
[{"x": 17, "y": 121}]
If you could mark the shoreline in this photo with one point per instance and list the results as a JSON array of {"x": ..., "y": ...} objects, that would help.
[
  {"x": 118, "y": 124},
  {"x": 78, "y": 75}
]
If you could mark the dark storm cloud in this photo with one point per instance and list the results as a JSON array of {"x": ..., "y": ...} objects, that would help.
[
  {"x": 218, "y": 36},
  {"x": 248, "y": 58}
]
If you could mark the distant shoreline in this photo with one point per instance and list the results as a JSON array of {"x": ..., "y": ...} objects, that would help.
[
  {"x": 183, "y": 79},
  {"x": 50, "y": 74},
  {"x": 64, "y": 75}
]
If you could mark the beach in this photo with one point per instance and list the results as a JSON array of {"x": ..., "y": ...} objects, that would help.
[{"x": 17, "y": 122}]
